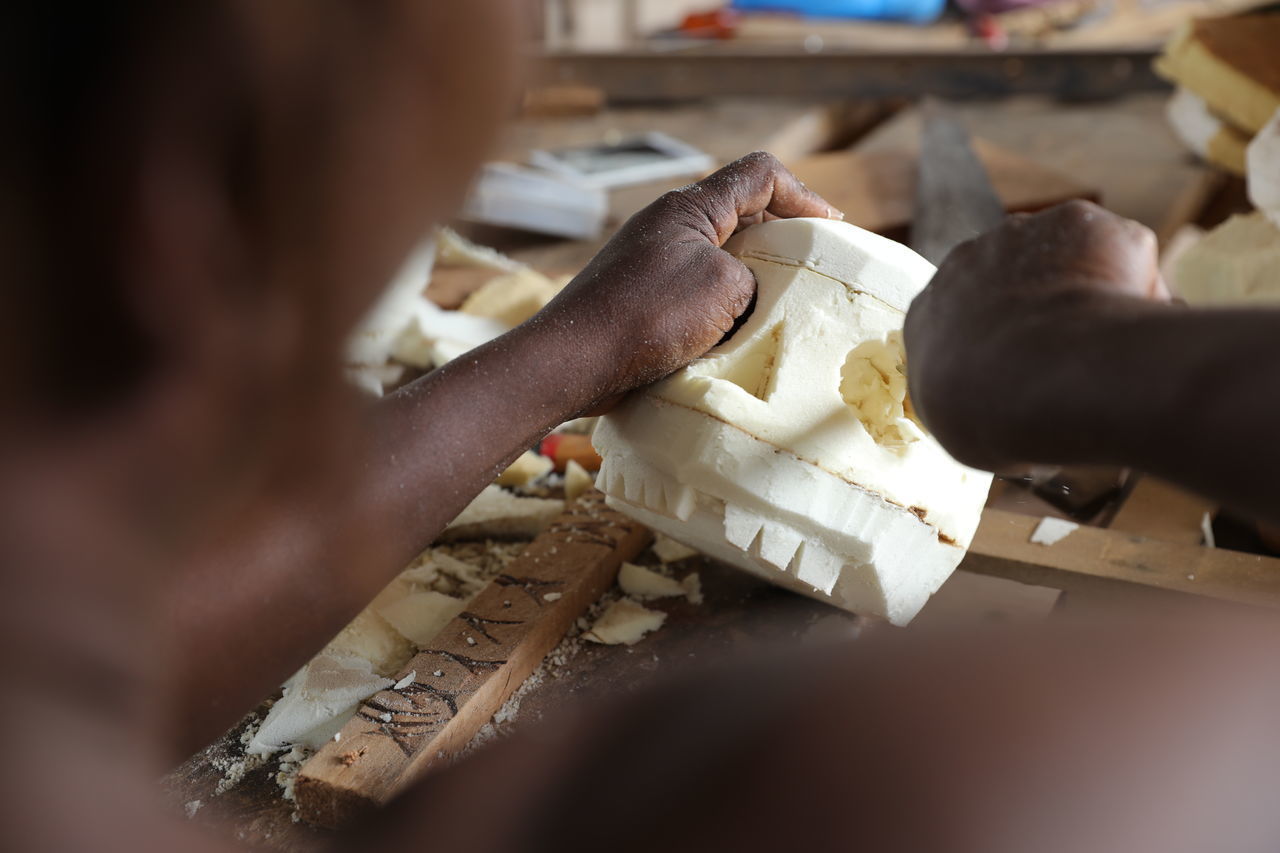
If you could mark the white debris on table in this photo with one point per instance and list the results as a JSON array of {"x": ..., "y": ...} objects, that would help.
[
  {"x": 1206, "y": 528},
  {"x": 669, "y": 550},
  {"x": 577, "y": 480},
  {"x": 1051, "y": 531},
  {"x": 625, "y": 622},
  {"x": 644, "y": 584},
  {"x": 499, "y": 514}
]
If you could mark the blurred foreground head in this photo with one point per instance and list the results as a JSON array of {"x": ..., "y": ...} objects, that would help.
[{"x": 202, "y": 198}]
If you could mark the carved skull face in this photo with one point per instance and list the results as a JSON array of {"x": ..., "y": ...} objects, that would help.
[{"x": 791, "y": 450}]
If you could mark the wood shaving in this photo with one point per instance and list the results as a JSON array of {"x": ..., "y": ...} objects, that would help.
[{"x": 1051, "y": 531}]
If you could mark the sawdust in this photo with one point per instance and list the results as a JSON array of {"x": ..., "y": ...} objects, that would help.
[
  {"x": 351, "y": 756},
  {"x": 290, "y": 763},
  {"x": 555, "y": 665},
  {"x": 231, "y": 758}
]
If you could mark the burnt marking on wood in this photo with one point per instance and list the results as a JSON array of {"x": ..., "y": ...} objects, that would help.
[
  {"x": 473, "y": 666},
  {"x": 590, "y": 531},
  {"x": 531, "y": 587},
  {"x": 478, "y": 624},
  {"x": 432, "y": 710},
  {"x": 379, "y": 705}
]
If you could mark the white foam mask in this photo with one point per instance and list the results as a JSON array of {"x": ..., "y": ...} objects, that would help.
[{"x": 791, "y": 450}]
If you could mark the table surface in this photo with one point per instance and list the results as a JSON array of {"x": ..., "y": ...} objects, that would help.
[{"x": 1122, "y": 146}]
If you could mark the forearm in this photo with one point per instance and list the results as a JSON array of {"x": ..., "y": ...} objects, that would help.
[
  {"x": 1189, "y": 395},
  {"x": 304, "y": 567},
  {"x": 456, "y": 429}
]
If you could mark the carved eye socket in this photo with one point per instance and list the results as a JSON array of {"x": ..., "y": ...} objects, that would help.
[{"x": 873, "y": 383}]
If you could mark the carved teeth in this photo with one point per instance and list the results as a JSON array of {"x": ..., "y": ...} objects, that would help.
[
  {"x": 654, "y": 497},
  {"x": 741, "y": 527},
  {"x": 817, "y": 566},
  {"x": 633, "y": 488},
  {"x": 681, "y": 499},
  {"x": 778, "y": 544}
]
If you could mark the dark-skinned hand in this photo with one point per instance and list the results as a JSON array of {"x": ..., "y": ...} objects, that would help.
[
  {"x": 662, "y": 292},
  {"x": 1012, "y": 307}
]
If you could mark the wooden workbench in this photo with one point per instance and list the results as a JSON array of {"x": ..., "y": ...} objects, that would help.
[{"x": 1122, "y": 147}]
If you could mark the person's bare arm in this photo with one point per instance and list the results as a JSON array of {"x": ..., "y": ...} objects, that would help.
[
  {"x": 659, "y": 295},
  {"x": 1052, "y": 340}
]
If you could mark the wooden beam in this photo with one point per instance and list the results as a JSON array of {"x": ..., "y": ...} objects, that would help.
[
  {"x": 1091, "y": 556},
  {"x": 718, "y": 70},
  {"x": 478, "y": 661},
  {"x": 876, "y": 190}
]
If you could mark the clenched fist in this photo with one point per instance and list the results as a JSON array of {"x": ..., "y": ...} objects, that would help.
[
  {"x": 663, "y": 292},
  {"x": 1005, "y": 335}
]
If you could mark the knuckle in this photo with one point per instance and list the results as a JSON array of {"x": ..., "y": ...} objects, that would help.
[
  {"x": 762, "y": 161},
  {"x": 1142, "y": 236},
  {"x": 965, "y": 253},
  {"x": 732, "y": 278},
  {"x": 1076, "y": 213},
  {"x": 667, "y": 200},
  {"x": 1078, "y": 208},
  {"x": 670, "y": 199}
]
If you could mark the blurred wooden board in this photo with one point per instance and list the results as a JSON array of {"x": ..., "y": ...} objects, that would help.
[
  {"x": 477, "y": 661},
  {"x": 876, "y": 189},
  {"x": 450, "y": 286},
  {"x": 726, "y": 128},
  {"x": 1092, "y": 558},
  {"x": 1060, "y": 25},
  {"x": 1120, "y": 150},
  {"x": 1122, "y": 147}
]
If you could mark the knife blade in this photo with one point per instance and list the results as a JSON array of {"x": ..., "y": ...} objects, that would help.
[{"x": 954, "y": 198}]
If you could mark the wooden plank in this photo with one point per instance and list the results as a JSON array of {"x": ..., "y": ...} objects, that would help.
[
  {"x": 1159, "y": 510},
  {"x": 450, "y": 286},
  {"x": 876, "y": 189},
  {"x": 1002, "y": 548},
  {"x": 481, "y": 657},
  {"x": 560, "y": 101},
  {"x": 1122, "y": 146},
  {"x": 1155, "y": 510},
  {"x": 1120, "y": 23},
  {"x": 720, "y": 69},
  {"x": 726, "y": 129}
]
